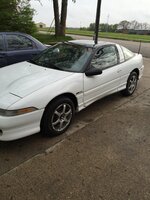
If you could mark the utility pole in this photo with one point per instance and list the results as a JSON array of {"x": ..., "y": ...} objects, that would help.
[
  {"x": 97, "y": 20},
  {"x": 107, "y": 23}
]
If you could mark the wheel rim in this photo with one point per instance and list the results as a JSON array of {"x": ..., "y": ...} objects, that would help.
[
  {"x": 132, "y": 84},
  {"x": 61, "y": 117}
]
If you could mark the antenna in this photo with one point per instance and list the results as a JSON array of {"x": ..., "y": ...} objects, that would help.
[
  {"x": 97, "y": 21},
  {"x": 107, "y": 23},
  {"x": 140, "y": 47}
]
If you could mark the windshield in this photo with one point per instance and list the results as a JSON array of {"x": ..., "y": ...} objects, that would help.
[{"x": 65, "y": 56}]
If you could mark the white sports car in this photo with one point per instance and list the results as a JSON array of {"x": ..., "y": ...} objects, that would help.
[{"x": 43, "y": 94}]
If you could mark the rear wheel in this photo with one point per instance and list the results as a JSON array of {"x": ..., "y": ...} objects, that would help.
[
  {"x": 131, "y": 84},
  {"x": 57, "y": 117}
]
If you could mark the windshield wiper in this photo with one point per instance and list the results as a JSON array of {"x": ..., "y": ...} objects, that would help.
[
  {"x": 32, "y": 61},
  {"x": 44, "y": 64},
  {"x": 52, "y": 66}
]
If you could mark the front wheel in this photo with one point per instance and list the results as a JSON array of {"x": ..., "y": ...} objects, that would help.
[
  {"x": 57, "y": 117},
  {"x": 131, "y": 84}
]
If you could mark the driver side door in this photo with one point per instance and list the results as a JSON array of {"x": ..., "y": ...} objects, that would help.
[{"x": 98, "y": 86}]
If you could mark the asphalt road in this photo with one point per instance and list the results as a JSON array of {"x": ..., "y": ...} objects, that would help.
[
  {"x": 133, "y": 46},
  {"x": 103, "y": 156}
]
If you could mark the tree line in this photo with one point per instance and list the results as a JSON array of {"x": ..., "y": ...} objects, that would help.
[
  {"x": 104, "y": 27},
  {"x": 134, "y": 25},
  {"x": 123, "y": 26}
]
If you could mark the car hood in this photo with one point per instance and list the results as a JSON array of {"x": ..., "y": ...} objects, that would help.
[{"x": 24, "y": 78}]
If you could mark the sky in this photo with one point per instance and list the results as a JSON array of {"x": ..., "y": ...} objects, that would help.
[{"x": 82, "y": 13}]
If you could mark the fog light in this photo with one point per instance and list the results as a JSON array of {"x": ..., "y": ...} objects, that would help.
[{"x": 1, "y": 132}]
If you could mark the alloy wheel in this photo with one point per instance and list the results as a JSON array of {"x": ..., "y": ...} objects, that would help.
[
  {"x": 61, "y": 117},
  {"x": 132, "y": 84}
]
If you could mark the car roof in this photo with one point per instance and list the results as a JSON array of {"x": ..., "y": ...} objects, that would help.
[
  {"x": 13, "y": 32},
  {"x": 17, "y": 32},
  {"x": 90, "y": 43}
]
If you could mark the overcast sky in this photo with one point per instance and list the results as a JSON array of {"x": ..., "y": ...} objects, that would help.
[{"x": 82, "y": 13}]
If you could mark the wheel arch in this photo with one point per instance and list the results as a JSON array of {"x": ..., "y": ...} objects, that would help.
[
  {"x": 137, "y": 71},
  {"x": 68, "y": 95}
]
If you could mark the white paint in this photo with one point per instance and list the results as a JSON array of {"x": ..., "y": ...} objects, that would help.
[{"x": 25, "y": 85}]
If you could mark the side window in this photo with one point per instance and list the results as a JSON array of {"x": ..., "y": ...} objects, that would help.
[
  {"x": 1, "y": 43},
  {"x": 127, "y": 53},
  {"x": 18, "y": 42},
  {"x": 105, "y": 57}
]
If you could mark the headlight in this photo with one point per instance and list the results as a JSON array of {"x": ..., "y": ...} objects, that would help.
[{"x": 10, "y": 113}]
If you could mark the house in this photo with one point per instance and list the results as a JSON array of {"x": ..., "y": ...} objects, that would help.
[{"x": 41, "y": 25}]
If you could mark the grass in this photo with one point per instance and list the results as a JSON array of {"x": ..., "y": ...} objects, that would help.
[
  {"x": 120, "y": 36},
  {"x": 46, "y": 38}
]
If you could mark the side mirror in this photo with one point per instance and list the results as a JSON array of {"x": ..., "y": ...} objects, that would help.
[{"x": 93, "y": 71}]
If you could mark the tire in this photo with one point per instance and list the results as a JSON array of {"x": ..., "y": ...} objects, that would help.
[
  {"x": 57, "y": 117},
  {"x": 131, "y": 84}
]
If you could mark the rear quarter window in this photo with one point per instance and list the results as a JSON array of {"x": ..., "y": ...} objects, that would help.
[{"x": 127, "y": 53}]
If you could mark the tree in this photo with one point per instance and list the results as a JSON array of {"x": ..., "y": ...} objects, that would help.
[
  {"x": 145, "y": 26},
  {"x": 104, "y": 27},
  {"x": 114, "y": 27},
  {"x": 6, "y": 10},
  {"x": 91, "y": 27},
  {"x": 16, "y": 15},
  {"x": 134, "y": 25},
  {"x": 124, "y": 25},
  {"x": 60, "y": 18}
]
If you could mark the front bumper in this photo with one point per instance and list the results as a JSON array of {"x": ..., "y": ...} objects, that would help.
[{"x": 16, "y": 127}]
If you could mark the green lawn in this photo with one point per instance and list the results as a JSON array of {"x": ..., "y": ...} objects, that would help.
[
  {"x": 121, "y": 36},
  {"x": 46, "y": 38}
]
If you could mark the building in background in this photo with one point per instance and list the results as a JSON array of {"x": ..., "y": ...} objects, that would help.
[{"x": 41, "y": 25}]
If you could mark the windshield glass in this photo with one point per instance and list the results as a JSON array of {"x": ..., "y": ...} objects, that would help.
[{"x": 65, "y": 56}]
